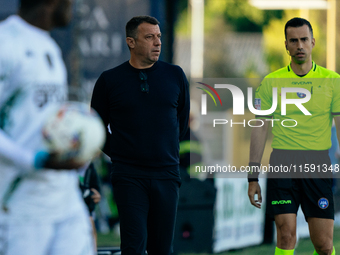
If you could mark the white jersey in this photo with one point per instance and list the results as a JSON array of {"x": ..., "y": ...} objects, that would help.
[{"x": 33, "y": 78}]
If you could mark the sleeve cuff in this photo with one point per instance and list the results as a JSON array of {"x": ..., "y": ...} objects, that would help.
[{"x": 40, "y": 159}]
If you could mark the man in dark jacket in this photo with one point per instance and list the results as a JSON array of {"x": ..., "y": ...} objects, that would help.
[{"x": 145, "y": 102}]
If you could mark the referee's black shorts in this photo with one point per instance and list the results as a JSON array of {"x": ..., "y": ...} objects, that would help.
[{"x": 286, "y": 191}]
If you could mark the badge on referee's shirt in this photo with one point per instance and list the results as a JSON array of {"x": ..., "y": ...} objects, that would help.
[
  {"x": 258, "y": 103},
  {"x": 301, "y": 95}
]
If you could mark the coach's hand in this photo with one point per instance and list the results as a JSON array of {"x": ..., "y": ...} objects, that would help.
[
  {"x": 253, "y": 189},
  {"x": 96, "y": 196}
]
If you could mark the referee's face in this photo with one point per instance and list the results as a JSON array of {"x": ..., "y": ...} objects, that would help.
[
  {"x": 299, "y": 43},
  {"x": 147, "y": 45}
]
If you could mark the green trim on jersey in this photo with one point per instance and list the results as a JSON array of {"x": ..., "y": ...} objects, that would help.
[
  {"x": 7, "y": 107},
  {"x": 312, "y": 132}
]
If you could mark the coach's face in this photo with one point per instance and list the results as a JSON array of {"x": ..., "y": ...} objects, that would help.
[
  {"x": 299, "y": 43},
  {"x": 147, "y": 45}
]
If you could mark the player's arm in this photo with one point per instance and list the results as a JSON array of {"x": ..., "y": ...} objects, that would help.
[
  {"x": 257, "y": 144},
  {"x": 27, "y": 160},
  {"x": 9, "y": 150}
]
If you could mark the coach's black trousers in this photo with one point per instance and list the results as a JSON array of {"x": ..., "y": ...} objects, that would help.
[{"x": 147, "y": 212}]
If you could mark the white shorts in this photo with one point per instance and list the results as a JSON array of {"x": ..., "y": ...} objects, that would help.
[{"x": 72, "y": 236}]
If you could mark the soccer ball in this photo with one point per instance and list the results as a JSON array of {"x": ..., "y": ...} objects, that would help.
[{"x": 74, "y": 131}]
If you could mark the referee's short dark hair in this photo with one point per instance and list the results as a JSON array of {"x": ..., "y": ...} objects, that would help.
[
  {"x": 298, "y": 22},
  {"x": 132, "y": 25},
  {"x": 28, "y": 4}
]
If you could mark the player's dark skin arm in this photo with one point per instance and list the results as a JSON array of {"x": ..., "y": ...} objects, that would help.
[
  {"x": 257, "y": 143},
  {"x": 54, "y": 163}
]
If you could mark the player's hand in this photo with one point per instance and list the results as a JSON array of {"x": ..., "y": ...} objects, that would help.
[
  {"x": 53, "y": 162},
  {"x": 253, "y": 189},
  {"x": 96, "y": 196}
]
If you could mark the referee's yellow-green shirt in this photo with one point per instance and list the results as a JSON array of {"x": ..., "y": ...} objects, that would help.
[{"x": 312, "y": 132}]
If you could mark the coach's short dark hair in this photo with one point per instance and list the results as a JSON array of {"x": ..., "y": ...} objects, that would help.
[
  {"x": 298, "y": 22},
  {"x": 28, "y": 4},
  {"x": 132, "y": 25}
]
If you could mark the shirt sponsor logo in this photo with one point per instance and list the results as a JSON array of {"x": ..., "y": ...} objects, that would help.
[
  {"x": 48, "y": 93},
  {"x": 323, "y": 203},
  {"x": 302, "y": 83},
  {"x": 281, "y": 202}
]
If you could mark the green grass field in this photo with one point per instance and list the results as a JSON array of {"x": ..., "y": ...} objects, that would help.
[{"x": 304, "y": 247}]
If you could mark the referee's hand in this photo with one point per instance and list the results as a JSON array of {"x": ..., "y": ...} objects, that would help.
[{"x": 253, "y": 189}]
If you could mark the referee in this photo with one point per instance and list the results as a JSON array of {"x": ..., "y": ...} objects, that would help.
[{"x": 303, "y": 146}]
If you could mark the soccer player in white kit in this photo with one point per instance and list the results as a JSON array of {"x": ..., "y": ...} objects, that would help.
[{"x": 42, "y": 211}]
